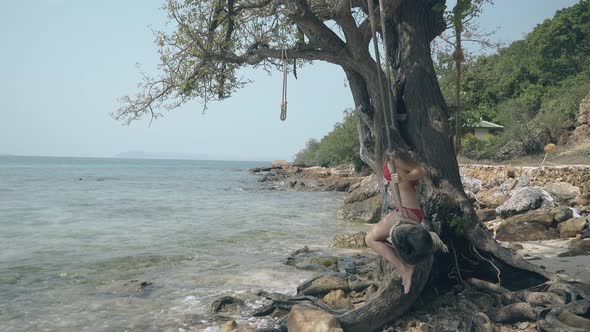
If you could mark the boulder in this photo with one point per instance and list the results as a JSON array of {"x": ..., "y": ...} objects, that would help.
[
  {"x": 367, "y": 188},
  {"x": 571, "y": 227},
  {"x": 492, "y": 197},
  {"x": 486, "y": 214},
  {"x": 562, "y": 191},
  {"x": 323, "y": 284},
  {"x": 366, "y": 211},
  {"x": 542, "y": 217},
  {"x": 471, "y": 184},
  {"x": 522, "y": 200},
  {"x": 337, "y": 299},
  {"x": 526, "y": 231},
  {"x": 511, "y": 149},
  {"x": 349, "y": 241},
  {"x": 307, "y": 319},
  {"x": 562, "y": 214},
  {"x": 579, "y": 245}
]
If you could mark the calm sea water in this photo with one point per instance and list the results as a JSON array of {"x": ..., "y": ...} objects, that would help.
[{"x": 75, "y": 231}]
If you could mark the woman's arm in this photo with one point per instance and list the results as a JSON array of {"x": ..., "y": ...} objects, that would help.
[{"x": 415, "y": 171}]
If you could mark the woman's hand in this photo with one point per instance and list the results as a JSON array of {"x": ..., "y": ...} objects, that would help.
[{"x": 395, "y": 178}]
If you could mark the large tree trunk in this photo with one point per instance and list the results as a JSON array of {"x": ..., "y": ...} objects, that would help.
[{"x": 426, "y": 132}]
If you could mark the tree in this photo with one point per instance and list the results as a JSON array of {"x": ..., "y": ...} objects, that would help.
[
  {"x": 215, "y": 38},
  {"x": 462, "y": 28}
]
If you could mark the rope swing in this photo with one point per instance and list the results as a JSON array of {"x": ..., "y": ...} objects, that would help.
[
  {"x": 385, "y": 91},
  {"x": 284, "y": 96}
]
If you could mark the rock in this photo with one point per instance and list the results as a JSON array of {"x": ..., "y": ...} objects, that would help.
[
  {"x": 515, "y": 246},
  {"x": 511, "y": 149},
  {"x": 522, "y": 200},
  {"x": 579, "y": 245},
  {"x": 323, "y": 284},
  {"x": 337, "y": 299},
  {"x": 492, "y": 197},
  {"x": 543, "y": 217},
  {"x": 470, "y": 183},
  {"x": 279, "y": 313},
  {"x": 230, "y": 326},
  {"x": 226, "y": 304},
  {"x": 326, "y": 261},
  {"x": 367, "y": 188},
  {"x": 349, "y": 241},
  {"x": 562, "y": 191},
  {"x": 486, "y": 214},
  {"x": 306, "y": 319},
  {"x": 280, "y": 163},
  {"x": 563, "y": 214},
  {"x": 571, "y": 227},
  {"x": 367, "y": 211},
  {"x": 526, "y": 232}
]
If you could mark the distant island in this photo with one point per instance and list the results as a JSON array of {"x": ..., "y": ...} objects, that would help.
[{"x": 163, "y": 155}]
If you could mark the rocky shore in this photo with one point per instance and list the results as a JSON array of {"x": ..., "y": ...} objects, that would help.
[{"x": 542, "y": 214}]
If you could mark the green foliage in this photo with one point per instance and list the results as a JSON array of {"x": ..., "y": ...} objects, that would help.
[
  {"x": 340, "y": 146},
  {"x": 484, "y": 148},
  {"x": 457, "y": 225},
  {"x": 532, "y": 88}
]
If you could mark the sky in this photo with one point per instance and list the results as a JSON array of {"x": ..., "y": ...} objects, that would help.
[{"x": 65, "y": 63}]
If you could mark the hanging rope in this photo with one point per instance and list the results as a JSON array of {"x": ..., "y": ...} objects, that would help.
[
  {"x": 383, "y": 91},
  {"x": 285, "y": 73}
]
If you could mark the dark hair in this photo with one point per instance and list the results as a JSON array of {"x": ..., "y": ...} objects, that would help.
[{"x": 412, "y": 243}]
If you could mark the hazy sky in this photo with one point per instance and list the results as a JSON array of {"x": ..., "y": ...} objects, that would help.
[{"x": 64, "y": 64}]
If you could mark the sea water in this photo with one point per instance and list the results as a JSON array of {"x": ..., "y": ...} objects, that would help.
[{"x": 77, "y": 235}]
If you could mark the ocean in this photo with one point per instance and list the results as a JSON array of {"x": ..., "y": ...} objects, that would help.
[{"x": 77, "y": 235}]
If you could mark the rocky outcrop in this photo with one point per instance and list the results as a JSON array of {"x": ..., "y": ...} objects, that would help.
[
  {"x": 366, "y": 211},
  {"x": 349, "y": 241}
]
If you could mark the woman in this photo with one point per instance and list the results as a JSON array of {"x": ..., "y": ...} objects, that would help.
[{"x": 408, "y": 172}]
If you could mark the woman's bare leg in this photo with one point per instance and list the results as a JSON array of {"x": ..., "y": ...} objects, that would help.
[{"x": 376, "y": 239}]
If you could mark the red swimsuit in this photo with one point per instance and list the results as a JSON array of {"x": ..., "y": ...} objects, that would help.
[{"x": 415, "y": 211}]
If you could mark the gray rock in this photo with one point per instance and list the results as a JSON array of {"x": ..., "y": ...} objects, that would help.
[
  {"x": 349, "y": 241},
  {"x": 471, "y": 184},
  {"x": 511, "y": 149},
  {"x": 563, "y": 214},
  {"x": 526, "y": 232},
  {"x": 522, "y": 200},
  {"x": 367, "y": 188},
  {"x": 562, "y": 191},
  {"x": 366, "y": 211}
]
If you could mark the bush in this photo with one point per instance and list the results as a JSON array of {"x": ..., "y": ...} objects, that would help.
[
  {"x": 484, "y": 148},
  {"x": 340, "y": 146}
]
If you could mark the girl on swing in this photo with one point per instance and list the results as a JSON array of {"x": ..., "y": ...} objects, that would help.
[{"x": 408, "y": 172}]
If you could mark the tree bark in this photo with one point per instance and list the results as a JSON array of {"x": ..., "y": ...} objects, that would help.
[{"x": 446, "y": 208}]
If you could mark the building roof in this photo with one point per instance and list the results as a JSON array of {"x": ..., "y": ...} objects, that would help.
[{"x": 486, "y": 124}]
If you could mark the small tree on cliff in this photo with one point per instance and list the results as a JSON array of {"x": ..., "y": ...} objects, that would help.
[{"x": 214, "y": 39}]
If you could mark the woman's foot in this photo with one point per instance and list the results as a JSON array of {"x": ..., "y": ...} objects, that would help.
[{"x": 406, "y": 275}]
